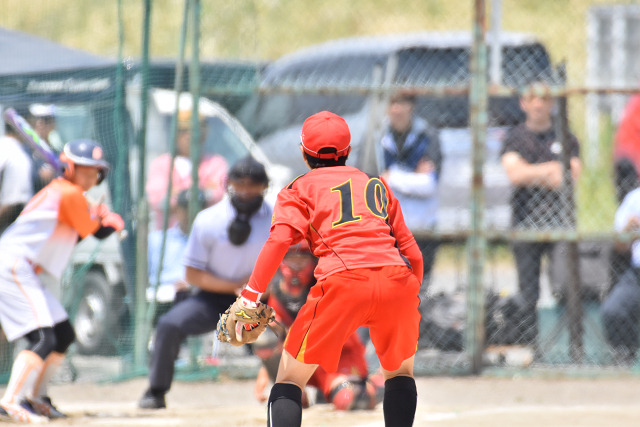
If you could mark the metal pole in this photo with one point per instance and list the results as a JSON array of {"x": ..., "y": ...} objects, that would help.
[
  {"x": 496, "y": 45},
  {"x": 477, "y": 240},
  {"x": 173, "y": 150},
  {"x": 368, "y": 160},
  {"x": 142, "y": 216},
  {"x": 195, "y": 147},
  {"x": 194, "y": 86},
  {"x": 574, "y": 298}
]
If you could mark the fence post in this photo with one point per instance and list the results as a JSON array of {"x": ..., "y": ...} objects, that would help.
[
  {"x": 477, "y": 240},
  {"x": 142, "y": 215},
  {"x": 179, "y": 77},
  {"x": 573, "y": 294},
  {"x": 194, "y": 86}
]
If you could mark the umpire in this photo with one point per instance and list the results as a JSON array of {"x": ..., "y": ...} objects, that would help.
[{"x": 221, "y": 252}]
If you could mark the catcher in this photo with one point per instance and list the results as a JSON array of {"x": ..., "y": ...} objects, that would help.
[
  {"x": 42, "y": 239},
  {"x": 348, "y": 387},
  {"x": 369, "y": 273}
]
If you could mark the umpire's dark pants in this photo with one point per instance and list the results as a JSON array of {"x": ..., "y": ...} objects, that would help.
[
  {"x": 195, "y": 315},
  {"x": 528, "y": 257},
  {"x": 621, "y": 313}
]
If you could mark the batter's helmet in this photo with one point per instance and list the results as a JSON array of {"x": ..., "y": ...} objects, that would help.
[{"x": 84, "y": 152}]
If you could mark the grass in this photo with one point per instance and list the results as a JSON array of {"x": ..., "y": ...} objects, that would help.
[{"x": 267, "y": 29}]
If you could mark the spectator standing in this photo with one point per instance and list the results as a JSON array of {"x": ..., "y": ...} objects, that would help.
[
  {"x": 220, "y": 255},
  {"x": 531, "y": 157},
  {"x": 412, "y": 163},
  {"x": 211, "y": 173},
  {"x": 42, "y": 118},
  {"x": 16, "y": 187}
]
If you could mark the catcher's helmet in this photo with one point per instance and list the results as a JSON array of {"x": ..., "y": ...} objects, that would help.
[{"x": 84, "y": 152}]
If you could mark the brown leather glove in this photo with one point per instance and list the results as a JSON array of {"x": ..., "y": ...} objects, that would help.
[{"x": 244, "y": 321}]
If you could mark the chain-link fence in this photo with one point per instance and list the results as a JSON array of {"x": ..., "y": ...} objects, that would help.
[{"x": 512, "y": 179}]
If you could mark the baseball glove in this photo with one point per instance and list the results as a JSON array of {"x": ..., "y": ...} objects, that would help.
[{"x": 243, "y": 325}]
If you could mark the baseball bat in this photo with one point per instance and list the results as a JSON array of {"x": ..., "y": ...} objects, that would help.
[{"x": 30, "y": 136}]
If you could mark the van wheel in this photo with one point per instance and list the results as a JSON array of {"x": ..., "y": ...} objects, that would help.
[{"x": 96, "y": 317}]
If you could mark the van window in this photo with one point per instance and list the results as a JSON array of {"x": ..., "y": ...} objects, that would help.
[
  {"x": 223, "y": 140},
  {"x": 433, "y": 67},
  {"x": 429, "y": 67},
  {"x": 522, "y": 65},
  {"x": 329, "y": 71}
]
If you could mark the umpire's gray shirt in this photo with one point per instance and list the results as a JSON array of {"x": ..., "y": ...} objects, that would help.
[{"x": 209, "y": 248}]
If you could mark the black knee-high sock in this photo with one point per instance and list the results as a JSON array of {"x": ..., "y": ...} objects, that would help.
[
  {"x": 400, "y": 401},
  {"x": 285, "y": 406}
]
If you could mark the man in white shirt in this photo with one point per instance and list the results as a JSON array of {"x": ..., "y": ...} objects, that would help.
[
  {"x": 621, "y": 309},
  {"x": 16, "y": 188},
  {"x": 220, "y": 255}
]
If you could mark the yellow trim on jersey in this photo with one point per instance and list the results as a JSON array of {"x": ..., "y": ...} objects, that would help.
[{"x": 303, "y": 348}]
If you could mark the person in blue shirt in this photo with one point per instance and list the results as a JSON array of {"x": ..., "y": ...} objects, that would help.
[{"x": 172, "y": 287}]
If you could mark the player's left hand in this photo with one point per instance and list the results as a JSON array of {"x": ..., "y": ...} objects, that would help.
[
  {"x": 244, "y": 322},
  {"x": 113, "y": 220}
]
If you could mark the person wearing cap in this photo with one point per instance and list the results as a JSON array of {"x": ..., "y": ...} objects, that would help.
[
  {"x": 211, "y": 172},
  {"x": 220, "y": 253},
  {"x": 368, "y": 274},
  {"x": 532, "y": 159},
  {"x": 16, "y": 186},
  {"x": 172, "y": 287},
  {"x": 42, "y": 118},
  {"x": 349, "y": 388},
  {"x": 42, "y": 239}
]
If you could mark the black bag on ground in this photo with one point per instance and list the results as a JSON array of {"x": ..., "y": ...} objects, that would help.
[
  {"x": 443, "y": 321},
  {"x": 503, "y": 319}
]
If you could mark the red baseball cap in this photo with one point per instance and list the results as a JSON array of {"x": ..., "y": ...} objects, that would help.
[{"x": 325, "y": 130}]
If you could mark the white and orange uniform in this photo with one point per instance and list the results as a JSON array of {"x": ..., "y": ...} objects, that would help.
[{"x": 42, "y": 238}]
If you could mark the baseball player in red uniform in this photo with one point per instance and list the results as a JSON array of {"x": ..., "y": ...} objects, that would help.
[
  {"x": 369, "y": 273},
  {"x": 350, "y": 386},
  {"x": 42, "y": 239}
]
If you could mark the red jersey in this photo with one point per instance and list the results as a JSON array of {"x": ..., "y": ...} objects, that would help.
[{"x": 350, "y": 219}]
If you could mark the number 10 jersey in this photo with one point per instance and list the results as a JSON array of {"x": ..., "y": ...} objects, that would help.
[{"x": 351, "y": 219}]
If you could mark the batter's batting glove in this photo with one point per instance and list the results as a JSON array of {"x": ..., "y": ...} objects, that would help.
[
  {"x": 112, "y": 220},
  {"x": 244, "y": 322},
  {"x": 99, "y": 211}
]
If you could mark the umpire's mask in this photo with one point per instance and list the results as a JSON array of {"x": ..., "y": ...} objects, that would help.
[{"x": 247, "y": 182}]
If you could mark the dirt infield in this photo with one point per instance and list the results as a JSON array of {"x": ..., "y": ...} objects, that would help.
[{"x": 445, "y": 402}]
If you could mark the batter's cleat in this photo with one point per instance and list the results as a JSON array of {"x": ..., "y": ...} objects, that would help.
[
  {"x": 150, "y": 400},
  {"x": 23, "y": 413},
  {"x": 4, "y": 415},
  {"x": 43, "y": 406}
]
